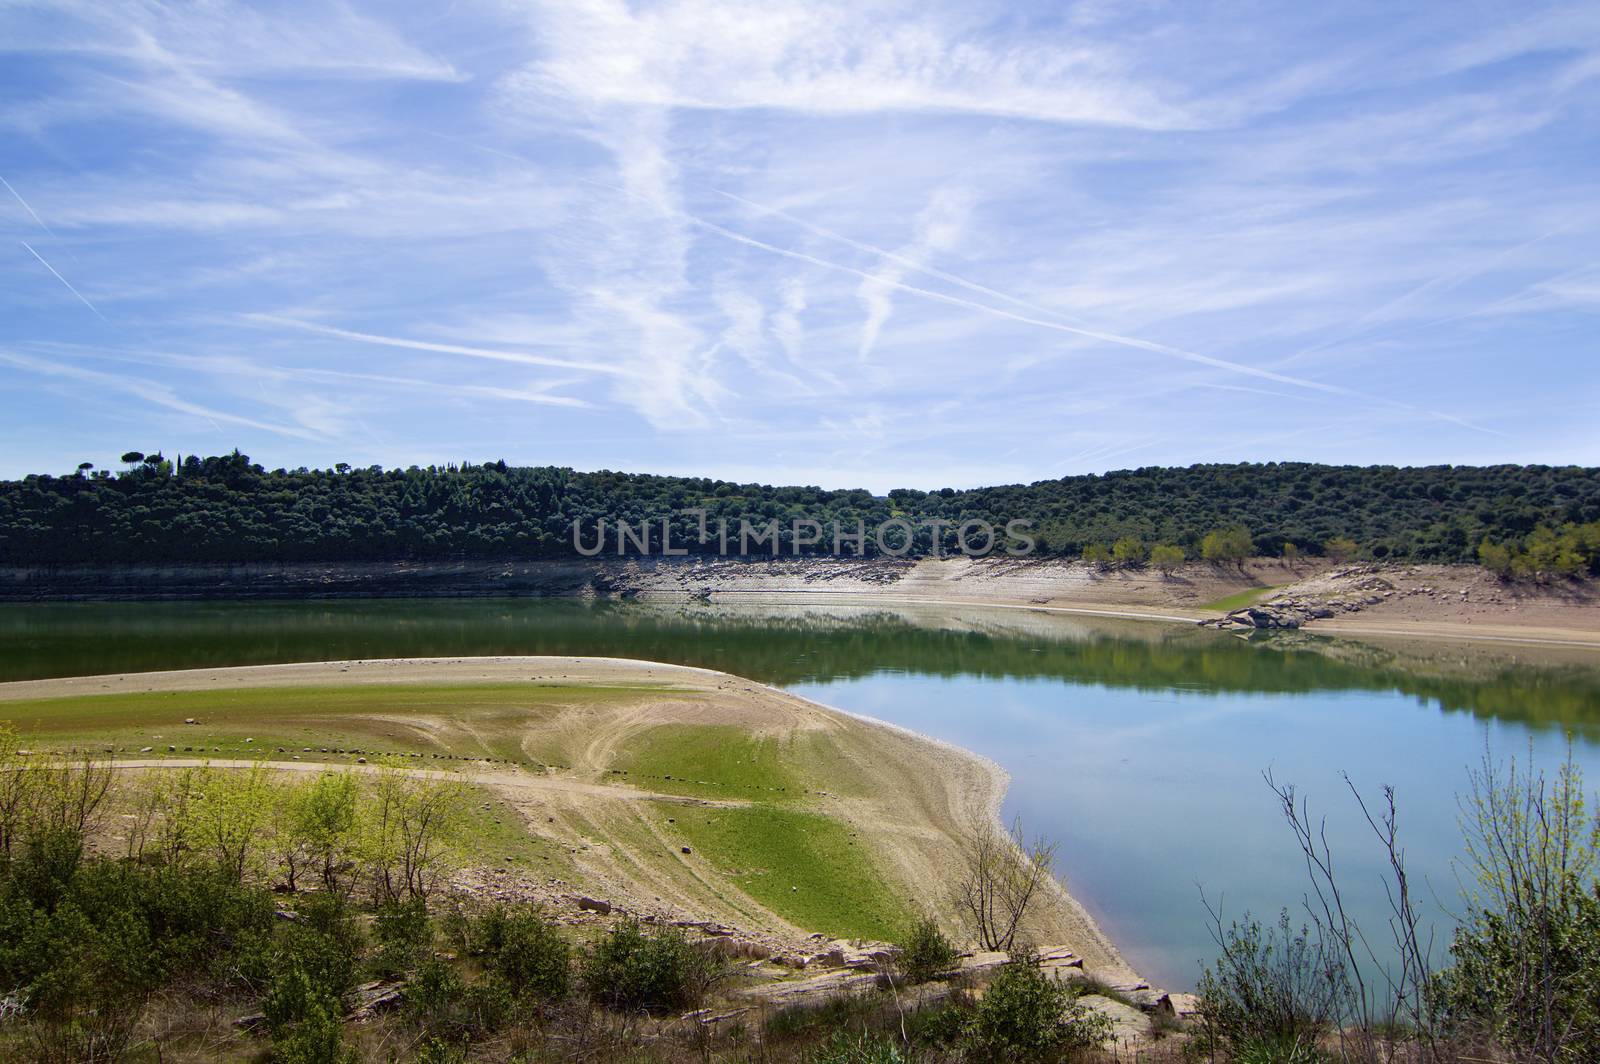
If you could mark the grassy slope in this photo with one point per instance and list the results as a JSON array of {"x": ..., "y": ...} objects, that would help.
[
  {"x": 804, "y": 866},
  {"x": 795, "y": 860},
  {"x": 1240, "y": 599},
  {"x": 463, "y": 720}
]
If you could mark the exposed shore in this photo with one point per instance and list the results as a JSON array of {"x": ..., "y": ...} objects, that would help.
[
  {"x": 1449, "y": 602},
  {"x": 924, "y": 793}
]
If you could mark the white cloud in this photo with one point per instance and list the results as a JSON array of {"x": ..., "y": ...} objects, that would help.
[{"x": 829, "y": 58}]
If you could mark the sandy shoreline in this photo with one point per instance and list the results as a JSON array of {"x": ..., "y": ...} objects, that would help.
[
  {"x": 941, "y": 784},
  {"x": 1443, "y": 602}
]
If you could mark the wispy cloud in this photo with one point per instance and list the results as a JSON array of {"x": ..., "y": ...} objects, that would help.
[
  {"x": 155, "y": 393},
  {"x": 832, "y": 58},
  {"x": 870, "y": 243}
]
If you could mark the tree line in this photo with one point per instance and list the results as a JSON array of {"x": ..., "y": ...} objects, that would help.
[{"x": 229, "y": 509}]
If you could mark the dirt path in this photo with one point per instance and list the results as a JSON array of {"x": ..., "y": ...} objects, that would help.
[{"x": 506, "y": 783}]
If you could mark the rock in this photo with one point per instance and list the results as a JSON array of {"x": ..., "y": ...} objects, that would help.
[
  {"x": 1181, "y": 1007},
  {"x": 595, "y": 905},
  {"x": 1129, "y": 1026},
  {"x": 375, "y": 997}
]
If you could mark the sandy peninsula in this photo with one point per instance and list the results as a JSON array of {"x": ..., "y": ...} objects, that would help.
[{"x": 908, "y": 800}]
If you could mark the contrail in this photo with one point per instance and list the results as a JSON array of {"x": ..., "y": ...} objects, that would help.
[
  {"x": 909, "y": 263},
  {"x": 1091, "y": 334},
  {"x": 63, "y": 280},
  {"x": 18, "y": 196},
  {"x": 448, "y": 349}
]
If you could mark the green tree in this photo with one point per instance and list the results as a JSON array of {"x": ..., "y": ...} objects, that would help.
[
  {"x": 1340, "y": 549},
  {"x": 1226, "y": 544},
  {"x": 404, "y": 833},
  {"x": 1096, "y": 554},
  {"x": 1128, "y": 550},
  {"x": 232, "y": 817},
  {"x": 322, "y": 823},
  {"x": 1166, "y": 558},
  {"x": 1495, "y": 557}
]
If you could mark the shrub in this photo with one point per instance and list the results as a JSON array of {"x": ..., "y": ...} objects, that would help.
[
  {"x": 925, "y": 952},
  {"x": 95, "y": 978},
  {"x": 1527, "y": 957},
  {"x": 1026, "y": 1015},
  {"x": 531, "y": 956},
  {"x": 404, "y": 936},
  {"x": 1269, "y": 987},
  {"x": 317, "y": 1039},
  {"x": 631, "y": 969}
]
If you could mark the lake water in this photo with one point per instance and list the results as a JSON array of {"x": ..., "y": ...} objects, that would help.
[{"x": 1138, "y": 747}]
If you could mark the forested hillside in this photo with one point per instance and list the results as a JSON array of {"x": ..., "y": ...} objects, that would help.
[{"x": 227, "y": 509}]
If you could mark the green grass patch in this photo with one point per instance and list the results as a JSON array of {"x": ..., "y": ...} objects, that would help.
[
  {"x": 1240, "y": 599},
  {"x": 713, "y": 761},
  {"x": 805, "y": 867},
  {"x": 462, "y": 720},
  {"x": 490, "y": 833}
]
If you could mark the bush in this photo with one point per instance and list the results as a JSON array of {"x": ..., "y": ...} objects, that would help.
[
  {"x": 631, "y": 969},
  {"x": 925, "y": 953},
  {"x": 1026, "y": 1015},
  {"x": 404, "y": 936},
  {"x": 1526, "y": 958},
  {"x": 317, "y": 1039},
  {"x": 1269, "y": 988},
  {"x": 531, "y": 956}
]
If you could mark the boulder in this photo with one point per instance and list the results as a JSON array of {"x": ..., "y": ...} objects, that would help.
[{"x": 1181, "y": 1007}]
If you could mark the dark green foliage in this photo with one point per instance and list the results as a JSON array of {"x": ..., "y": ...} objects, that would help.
[
  {"x": 225, "y": 509},
  {"x": 630, "y": 968},
  {"x": 925, "y": 952},
  {"x": 404, "y": 935},
  {"x": 1488, "y": 987},
  {"x": 316, "y": 1039},
  {"x": 1025, "y": 1015},
  {"x": 530, "y": 955},
  {"x": 317, "y": 959}
]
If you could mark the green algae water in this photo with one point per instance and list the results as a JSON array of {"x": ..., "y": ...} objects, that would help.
[{"x": 1139, "y": 747}]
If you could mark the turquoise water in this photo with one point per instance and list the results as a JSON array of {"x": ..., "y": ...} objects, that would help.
[{"x": 1138, "y": 748}]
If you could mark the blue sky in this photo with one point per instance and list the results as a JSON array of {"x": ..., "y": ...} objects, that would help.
[{"x": 851, "y": 244}]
